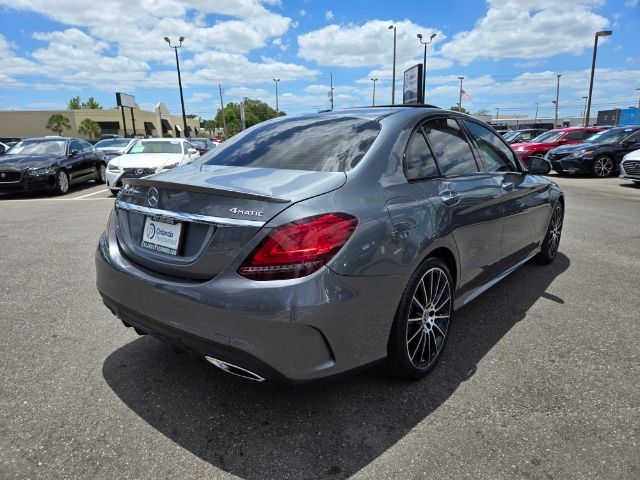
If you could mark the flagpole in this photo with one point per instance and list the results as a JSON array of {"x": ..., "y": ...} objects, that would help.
[{"x": 460, "y": 93}]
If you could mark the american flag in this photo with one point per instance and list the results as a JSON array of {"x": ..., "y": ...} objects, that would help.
[{"x": 465, "y": 95}]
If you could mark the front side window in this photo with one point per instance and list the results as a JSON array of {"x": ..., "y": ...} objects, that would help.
[
  {"x": 75, "y": 146},
  {"x": 450, "y": 147},
  {"x": 497, "y": 156},
  {"x": 85, "y": 146},
  {"x": 550, "y": 137},
  {"x": 323, "y": 144},
  {"x": 419, "y": 162}
]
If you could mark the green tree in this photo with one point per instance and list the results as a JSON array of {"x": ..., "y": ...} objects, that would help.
[
  {"x": 74, "y": 104},
  {"x": 482, "y": 111},
  {"x": 92, "y": 104},
  {"x": 89, "y": 128},
  {"x": 255, "y": 111},
  {"x": 58, "y": 123},
  {"x": 456, "y": 108}
]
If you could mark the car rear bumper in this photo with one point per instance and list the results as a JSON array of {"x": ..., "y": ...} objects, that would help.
[{"x": 289, "y": 331}]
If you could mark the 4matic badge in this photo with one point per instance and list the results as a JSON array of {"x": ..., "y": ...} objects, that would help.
[{"x": 237, "y": 211}]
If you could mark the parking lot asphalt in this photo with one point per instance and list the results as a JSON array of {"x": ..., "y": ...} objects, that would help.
[{"x": 539, "y": 379}]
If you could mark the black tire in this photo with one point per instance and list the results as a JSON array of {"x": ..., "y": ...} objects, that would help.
[
  {"x": 420, "y": 330},
  {"x": 101, "y": 176},
  {"x": 602, "y": 166},
  {"x": 551, "y": 242},
  {"x": 114, "y": 192},
  {"x": 62, "y": 182}
]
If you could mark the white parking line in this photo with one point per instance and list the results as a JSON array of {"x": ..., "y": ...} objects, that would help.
[{"x": 88, "y": 194}]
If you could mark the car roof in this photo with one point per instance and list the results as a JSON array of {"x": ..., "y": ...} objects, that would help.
[{"x": 573, "y": 129}]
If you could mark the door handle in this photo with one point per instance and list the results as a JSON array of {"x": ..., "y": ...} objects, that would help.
[
  {"x": 508, "y": 186},
  {"x": 450, "y": 198}
]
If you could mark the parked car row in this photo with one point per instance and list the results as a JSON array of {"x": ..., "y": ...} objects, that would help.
[{"x": 55, "y": 163}]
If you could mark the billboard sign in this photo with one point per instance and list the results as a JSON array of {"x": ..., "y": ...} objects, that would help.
[
  {"x": 412, "y": 91},
  {"x": 124, "y": 100}
]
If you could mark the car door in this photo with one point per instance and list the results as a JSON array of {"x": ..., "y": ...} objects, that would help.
[
  {"x": 89, "y": 159},
  {"x": 465, "y": 200},
  {"x": 524, "y": 197},
  {"x": 75, "y": 161}
]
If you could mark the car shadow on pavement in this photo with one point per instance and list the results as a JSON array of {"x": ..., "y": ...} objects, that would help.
[
  {"x": 44, "y": 194},
  {"x": 332, "y": 430}
]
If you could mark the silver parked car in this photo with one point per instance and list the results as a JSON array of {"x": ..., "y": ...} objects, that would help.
[{"x": 306, "y": 247}]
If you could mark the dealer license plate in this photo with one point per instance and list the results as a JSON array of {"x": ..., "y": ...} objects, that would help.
[{"x": 161, "y": 234}]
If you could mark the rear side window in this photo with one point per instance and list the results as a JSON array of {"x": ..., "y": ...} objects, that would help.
[
  {"x": 497, "y": 156},
  {"x": 419, "y": 161},
  {"x": 578, "y": 135},
  {"x": 450, "y": 147},
  {"x": 323, "y": 144}
]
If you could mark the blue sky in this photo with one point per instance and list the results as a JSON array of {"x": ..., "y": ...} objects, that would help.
[{"x": 509, "y": 52}]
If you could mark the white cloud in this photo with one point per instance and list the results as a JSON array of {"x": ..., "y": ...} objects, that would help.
[
  {"x": 522, "y": 29},
  {"x": 631, "y": 3},
  {"x": 302, "y": 13},
  {"x": 329, "y": 15},
  {"x": 364, "y": 45},
  {"x": 199, "y": 97}
]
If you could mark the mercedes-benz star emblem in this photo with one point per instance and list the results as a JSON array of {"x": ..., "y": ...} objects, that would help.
[
  {"x": 152, "y": 197},
  {"x": 139, "y": 171}
]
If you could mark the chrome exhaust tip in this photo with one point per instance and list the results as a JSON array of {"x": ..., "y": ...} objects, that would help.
[{"x": 235, "y": 370}]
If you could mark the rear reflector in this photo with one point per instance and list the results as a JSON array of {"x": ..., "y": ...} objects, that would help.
[{"x": 299, "y": 248}]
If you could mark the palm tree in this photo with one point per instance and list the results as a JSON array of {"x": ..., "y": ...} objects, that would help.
[
  {"x": 92, "y": 104},
  {"x": 74, "y": 104},
  {"x": 89, "y": 128},
  {"x": 57, "y": 123}
]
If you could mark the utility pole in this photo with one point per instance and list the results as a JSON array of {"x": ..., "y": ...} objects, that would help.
[
  {"x": 393, "y": 84},
  {"x": 242, "y": 116},
  {"x": 536, "y": 120},
  {"x": 460, "y": 94},
  {"x": 277, "y": 80},
  {"x": 638, "y": 111},
  {"x": 555, "y": 125},
  {"x": 584, "y": 110},
  {"x": 374, "y": 80},
  {"x": 602, "y": 33},
  {"x": 331, "y": 90},
  {"x": 497, "y": 113},
  {"x": 224, "y": 118}
]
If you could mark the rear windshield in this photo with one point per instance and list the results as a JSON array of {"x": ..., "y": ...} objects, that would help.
[
  {"x": 325, "y": 144},
  {"x": 113, "y": 142}
]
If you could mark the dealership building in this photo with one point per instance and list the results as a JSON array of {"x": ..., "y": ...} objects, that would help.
[{"x": 159, "y": 123}]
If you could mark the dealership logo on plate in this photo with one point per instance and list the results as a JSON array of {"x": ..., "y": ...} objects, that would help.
[{"x": 151, "y": 231}]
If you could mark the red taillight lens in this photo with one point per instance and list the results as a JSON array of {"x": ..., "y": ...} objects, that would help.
[{"x": 299, "y": 248}]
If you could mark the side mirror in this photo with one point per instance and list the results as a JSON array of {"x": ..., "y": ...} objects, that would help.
[
  {"x": 191, "y": 151},
  {"x": 73, "y": 153},
  {"x": 539, "y": 166}
]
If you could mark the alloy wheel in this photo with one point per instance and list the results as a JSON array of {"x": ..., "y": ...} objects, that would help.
[
  {"x": 603, "y": 167},
  {"x": 555, "y": 230},
  {"x": 102, "y": 173},
  {"x": 63, "y": 182},
  {"x": 428, "y": 320}
]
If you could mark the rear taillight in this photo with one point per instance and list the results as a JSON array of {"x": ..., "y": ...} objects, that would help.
[{"x": 299, "y": 248}]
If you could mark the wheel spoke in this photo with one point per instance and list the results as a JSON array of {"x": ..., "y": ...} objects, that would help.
[
  {"x": 424, "y": 292},
  {"x": 415, "y": 300},
  {"x": 435, "y": 343},
  {"x": 415, "y": 319},
  {"x": 422, "y": 350},
  {"x": 414, "y": 335},
  {"x": 443, "y": 303},
  {"x": 417, "y": 346}
]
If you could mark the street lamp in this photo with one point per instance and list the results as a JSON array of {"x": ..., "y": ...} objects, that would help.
[
  {"x": 374, "y": 80},
  {"x": 536, "y": 120},
  {"x": 424, "y": 65},
  {"x": 460, "y": 94},
  {"x": 638, "y": 111},
  {"x": 393, "y": 85},
  {"x": 497, "y": 113},
  {"x": 175, "y": 49},
  {"x": 602, "y": 33},
  {"x": 276, "y": 80},
  {"x": 555, "y": 125}
]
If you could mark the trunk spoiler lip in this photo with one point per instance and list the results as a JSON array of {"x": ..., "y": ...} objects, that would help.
[{"x": 226, "y": 192}]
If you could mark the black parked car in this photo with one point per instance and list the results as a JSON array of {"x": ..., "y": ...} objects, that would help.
[
  {"x": 203, "y": 145},
  {"x": 600, "y": 155},
  {"x": 50, "y": 163}
]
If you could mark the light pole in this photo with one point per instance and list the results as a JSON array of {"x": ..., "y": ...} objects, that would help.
[
  {"x": 555, "y": 125},
  {"x": 175, "y": 49},
  {"x": 460, "y": 94},
  {"x": 497, "y": 113},
  {"x": 601, "y": 33},
  {"x": 424, "y": 65},
  {"x": 584, "y": 110},
  {"x": 638, "y": 112},
  {"x": 393, "y": 85},
  {"x": 535, "y": 122},
  {"x": 277, "y": 80},
  {"x": 374, "y": 80}
]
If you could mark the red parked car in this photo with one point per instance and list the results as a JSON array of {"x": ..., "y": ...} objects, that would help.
[{"x": 552, "y": 139}]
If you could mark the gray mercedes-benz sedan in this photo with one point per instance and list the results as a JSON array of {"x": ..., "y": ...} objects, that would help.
[{"x": 307, "y": 247}]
